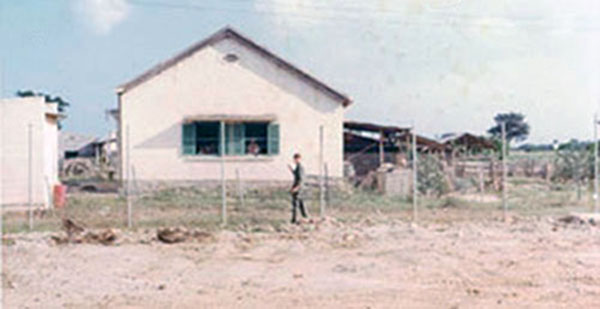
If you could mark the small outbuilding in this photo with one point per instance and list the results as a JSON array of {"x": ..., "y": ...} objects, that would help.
[{"x": 29, "y": 151}]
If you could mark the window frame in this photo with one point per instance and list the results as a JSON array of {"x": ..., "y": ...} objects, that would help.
[{"x": 234, "y": 145}]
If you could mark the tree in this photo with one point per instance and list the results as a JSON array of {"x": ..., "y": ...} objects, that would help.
[
  {"x": 516, "y": 127},
  {"x": 62, "y": 104}
]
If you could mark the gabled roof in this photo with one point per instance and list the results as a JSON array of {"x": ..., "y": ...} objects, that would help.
[
  {"x": 466, "y": 139},
  {"x": 68, "y": 141},
  {"x": 229, "y": 33}
]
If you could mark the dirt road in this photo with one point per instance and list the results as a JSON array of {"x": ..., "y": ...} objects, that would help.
[{"x": 529, "y": 263}]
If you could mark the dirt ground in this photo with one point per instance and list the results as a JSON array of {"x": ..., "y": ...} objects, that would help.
[{"x": 525, "y": 263}]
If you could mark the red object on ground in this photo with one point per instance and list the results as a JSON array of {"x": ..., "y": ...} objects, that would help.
[{"x": 60, "y": 196}]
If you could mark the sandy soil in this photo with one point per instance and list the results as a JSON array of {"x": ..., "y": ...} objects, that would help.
[{"x": 528, "y": 263}]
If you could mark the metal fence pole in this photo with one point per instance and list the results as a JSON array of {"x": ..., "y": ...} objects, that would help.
[
  {"x": 223, "y": 183},
  {"x": 415, "y": 174},
  {"x": 481, "y": 183},
  {"x": 327, "y": 193},
  {"x": 504, "y": 172},
  {"x": 30, "y": 173},
  {"x": 596, "y": 197},
  {"x": 128, "y": 171},
  {"x": 321, "y": 182},
  {"x": 239, "y": 187}
]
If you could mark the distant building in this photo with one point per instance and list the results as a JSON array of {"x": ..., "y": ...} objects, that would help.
[
  {"x": 20, "y": 119},
  {"x": 368, "y": 146},
  {"x": 467, "y": 143},
  {"x": 171, "y": 117},
  {"x": 75, "y": 145}
]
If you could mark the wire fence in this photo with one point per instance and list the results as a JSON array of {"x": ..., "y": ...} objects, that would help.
[{"x": 425, "y": 187}]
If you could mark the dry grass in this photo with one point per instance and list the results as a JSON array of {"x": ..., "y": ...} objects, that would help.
[{"x": 270, "y": 209}]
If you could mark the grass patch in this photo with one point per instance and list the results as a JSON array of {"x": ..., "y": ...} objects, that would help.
[{"x": 270, "y": 209}]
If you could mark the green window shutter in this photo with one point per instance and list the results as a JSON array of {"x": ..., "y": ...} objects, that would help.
[
  {"x": 234, "y": 137},
  {"x": 273, "y": 139},
  {"x": 188, "y": 139}
]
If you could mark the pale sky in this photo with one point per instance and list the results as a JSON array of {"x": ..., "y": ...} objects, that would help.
[{"x": 446, "y": 65}]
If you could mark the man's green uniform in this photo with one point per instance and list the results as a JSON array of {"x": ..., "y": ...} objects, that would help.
[{"x": 297, "y": 201}]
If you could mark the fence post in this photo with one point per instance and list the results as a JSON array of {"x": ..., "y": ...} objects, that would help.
[
  {"x": 504, "y": 172},
  {"x": 239, "y": 187},
  {"x": 415, "y": 174},
  {"x": 223, "y": 183},
  {"x": 321, "y": 182},
  {"x": 481, "y": 182},
  {"x": 327, "y": 193},
  {"x": 128, "y": 171},
  {"x": 30, "y": 174},
  {"x": 596, "y": 197}
]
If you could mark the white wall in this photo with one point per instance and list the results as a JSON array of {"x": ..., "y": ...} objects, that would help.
[
  {"x": 15, "y": 117},
  {"x": 206, "y": 84}
]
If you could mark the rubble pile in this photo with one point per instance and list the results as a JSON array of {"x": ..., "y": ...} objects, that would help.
[
  {"x": 172, "y": 235},
  {"x": 77, "y": 234}
]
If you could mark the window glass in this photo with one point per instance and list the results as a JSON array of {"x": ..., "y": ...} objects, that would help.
[
  {"x": 256, "y": 138},
  {"x": 207, "y": 138},
  {"x": 251, "y": 138}
]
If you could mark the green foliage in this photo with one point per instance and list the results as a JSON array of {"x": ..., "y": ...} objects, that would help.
[
  {"x": 432, "y": 180},
  {"x": 575, "y": 144},
  {"x": 573, "y": 165},
  {"x": 516, "y": 127}
]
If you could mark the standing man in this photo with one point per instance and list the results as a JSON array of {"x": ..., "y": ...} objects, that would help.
[{"x": 296, "y": 190}]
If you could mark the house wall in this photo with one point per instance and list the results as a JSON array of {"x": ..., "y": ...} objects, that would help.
[
  {"x": 15, "y": 117},
  {"x": 205, "y": 84},
  {"x": 51, "y": 155}
]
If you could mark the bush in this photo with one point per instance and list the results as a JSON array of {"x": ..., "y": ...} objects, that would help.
[
  {"x": 573, "y": 165},
  {"x": 432, "y": 180}
]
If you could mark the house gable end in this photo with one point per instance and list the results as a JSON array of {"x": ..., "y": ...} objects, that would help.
[{"x": 228, "y": 33}]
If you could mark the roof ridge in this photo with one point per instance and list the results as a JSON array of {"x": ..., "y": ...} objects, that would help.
[{"x": 227, "y": 32}]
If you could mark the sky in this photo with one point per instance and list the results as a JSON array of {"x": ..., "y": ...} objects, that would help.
[{"x": 442, "y": 65}]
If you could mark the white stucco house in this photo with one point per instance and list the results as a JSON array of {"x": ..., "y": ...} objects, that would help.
[
  {"x": 171, "y": 119},
  {"x": 20, "y": 119}
]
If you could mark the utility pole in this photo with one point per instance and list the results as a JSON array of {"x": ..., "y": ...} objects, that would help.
[{"x": 504, "y": 171}]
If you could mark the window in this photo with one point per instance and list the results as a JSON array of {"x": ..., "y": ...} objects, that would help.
[{"x": 241, "y": 138}]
